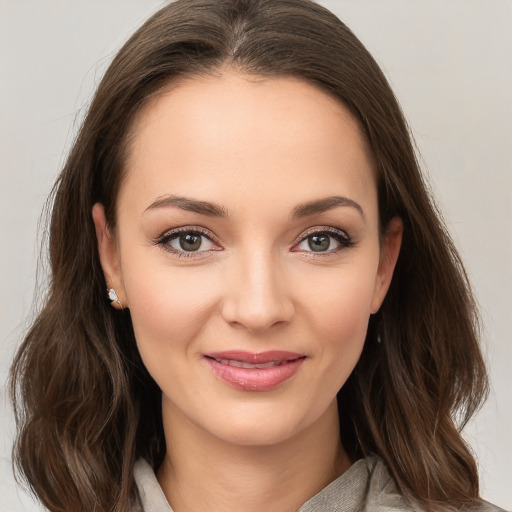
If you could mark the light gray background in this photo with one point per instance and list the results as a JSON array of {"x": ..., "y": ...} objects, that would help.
[{"x": 449, "y": 62}]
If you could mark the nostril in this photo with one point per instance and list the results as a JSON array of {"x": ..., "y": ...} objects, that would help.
[
  {"x": 257, "y": 321},
  {"x": 255, "y": 298}
]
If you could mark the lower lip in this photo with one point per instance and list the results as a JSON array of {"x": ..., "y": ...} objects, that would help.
[{"x": 255, "y": 379}]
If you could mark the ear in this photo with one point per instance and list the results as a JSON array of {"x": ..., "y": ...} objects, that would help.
[
  {"x": 390, "y": 249},
  {"x": 108, "y": 254}
]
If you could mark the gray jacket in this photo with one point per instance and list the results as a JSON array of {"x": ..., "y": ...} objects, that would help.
[{"x": 365, "y": 486}]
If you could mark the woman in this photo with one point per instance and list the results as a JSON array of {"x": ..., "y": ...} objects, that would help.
[{"x": 288, "y": 326}]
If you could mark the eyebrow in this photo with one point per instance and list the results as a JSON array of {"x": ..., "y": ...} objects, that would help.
[
  {"x": 325, "y": 204},
  {"x": 188, "y": 204},
  {"x": 213, "y": 210}
]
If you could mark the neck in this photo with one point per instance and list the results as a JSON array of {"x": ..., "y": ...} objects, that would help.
[{"x": 202, "y": 472}]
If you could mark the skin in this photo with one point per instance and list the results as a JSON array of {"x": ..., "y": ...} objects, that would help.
[{"x": 258, "y": 148}]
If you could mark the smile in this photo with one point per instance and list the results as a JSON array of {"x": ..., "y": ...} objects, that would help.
[
  {"x": 242, "y": 364},
  {"x": 254, "y": 372}
]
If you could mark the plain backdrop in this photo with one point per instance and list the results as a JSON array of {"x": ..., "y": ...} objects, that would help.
[{"x": 450, "y": 63}]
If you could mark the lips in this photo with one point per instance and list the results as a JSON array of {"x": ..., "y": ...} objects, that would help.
[
  {"x": 242, "y": 364},
  {"x": 249, "y": 371}
]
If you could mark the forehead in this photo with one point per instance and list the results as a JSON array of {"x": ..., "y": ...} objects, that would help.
[{"x": 249, "y": 135}]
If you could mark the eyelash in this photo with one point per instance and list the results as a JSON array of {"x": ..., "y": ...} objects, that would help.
[
  {"x": 342, "y": 238},
  {"x": 163, "y": 241}
]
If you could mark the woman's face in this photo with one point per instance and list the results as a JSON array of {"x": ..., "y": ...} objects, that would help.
[{"x": 248, "y": 252}]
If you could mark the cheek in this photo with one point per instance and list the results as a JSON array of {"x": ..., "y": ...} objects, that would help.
[
  {"x": 168, "y": 306},
  {"x": 340, "y": 298},
  {"x": 337, "y": 310}
]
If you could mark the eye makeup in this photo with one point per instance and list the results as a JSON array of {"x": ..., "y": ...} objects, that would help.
[
  {"x": 199, "y": 242},
  {"x": 316, "y": 239},
  {"x": 188, "y": 236}
]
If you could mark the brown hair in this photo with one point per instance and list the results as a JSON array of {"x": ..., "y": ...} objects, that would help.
[{"x": 86, "y": 407}]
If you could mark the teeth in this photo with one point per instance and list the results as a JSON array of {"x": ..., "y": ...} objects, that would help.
[
  {"x": 270, "y": 364},
  {"x": 243, "y": 364}
]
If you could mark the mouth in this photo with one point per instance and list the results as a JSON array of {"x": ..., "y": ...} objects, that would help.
[
  {"x": 254, "y": 371},
  {"x": 243, "y": 364}
]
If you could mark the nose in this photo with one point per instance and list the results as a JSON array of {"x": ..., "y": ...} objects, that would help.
[{"x": 257, "y": 296}]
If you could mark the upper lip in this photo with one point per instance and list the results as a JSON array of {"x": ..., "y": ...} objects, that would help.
[{"x": 255, "y": 357}]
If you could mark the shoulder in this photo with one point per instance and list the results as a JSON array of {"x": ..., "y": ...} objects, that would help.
[
  {"x": 485, "y": 506},
  {"x": 151, "y": 495},
  {"x": 383, "y": 495},
  {"x": 366, "y": 487}
]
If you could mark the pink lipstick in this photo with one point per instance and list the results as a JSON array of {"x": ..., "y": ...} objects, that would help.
[{"x": 249, "y": 371}]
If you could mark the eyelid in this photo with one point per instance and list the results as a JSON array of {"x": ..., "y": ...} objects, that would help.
[
  {"x": 347, "y": 240},
  {"x": 186, "y": 229},
  {"x": 170, "y": 234}
]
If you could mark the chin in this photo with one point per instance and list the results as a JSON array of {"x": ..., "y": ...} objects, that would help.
[
  {"x": 262, "y": 426},
  {"x": 256, "y": 433}
]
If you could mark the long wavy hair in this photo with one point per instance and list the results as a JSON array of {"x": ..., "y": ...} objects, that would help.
[{"x": 86, "y": 408}]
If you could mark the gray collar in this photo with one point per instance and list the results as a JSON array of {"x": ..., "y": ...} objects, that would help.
[{"x": 366, "y": 485}]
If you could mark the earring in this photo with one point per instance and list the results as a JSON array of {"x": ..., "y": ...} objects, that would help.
[
  {"x": 112, "y": 295},
  {"x": 379, "y": 338}
]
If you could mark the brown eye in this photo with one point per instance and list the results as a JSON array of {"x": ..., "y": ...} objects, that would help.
[
  {"x": 190, "y": 242},
  {"x": 319, "y": 243},
  {"x": 327, "y": 241}
]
